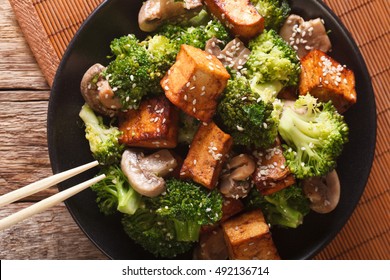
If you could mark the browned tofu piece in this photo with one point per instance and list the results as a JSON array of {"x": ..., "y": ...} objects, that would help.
[
  {"x": 240, "y": 16},
  {"x": 154, "y": 124},
  {"x": 248, "y": 237},
  {"x": 275, "y": 186},
  {"x": 326, "y": 79},
  {"x": 271, "y": 174},
  {"x": 231, "y": 207},
  {"x": 207, "y": 155},
  {"x": 195, "y": 82},
  {"x": 211, "y": 245}
]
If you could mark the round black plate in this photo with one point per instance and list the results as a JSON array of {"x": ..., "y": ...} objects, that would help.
[{"x": 68, "y": 147}]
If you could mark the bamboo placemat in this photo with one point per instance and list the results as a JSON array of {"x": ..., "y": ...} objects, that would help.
[{"x": 49, "y": 25}]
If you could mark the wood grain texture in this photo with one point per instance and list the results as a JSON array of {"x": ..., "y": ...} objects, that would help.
[
  {"x": 50, "y": 235},
  {"x": 18, "y": 68},
  {"x": 23, "y": 150}
]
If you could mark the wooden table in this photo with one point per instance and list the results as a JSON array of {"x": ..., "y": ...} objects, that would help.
[{"x": 53, "y": 234}]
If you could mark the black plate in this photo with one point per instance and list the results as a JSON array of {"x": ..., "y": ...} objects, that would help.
[{"x": 68, "y": 147}]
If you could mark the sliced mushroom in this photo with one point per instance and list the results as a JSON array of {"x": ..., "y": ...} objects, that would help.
[
  {"x": 234, "y": 55},
  {"x": 323, "y": 192},
  {"x": 143, "y": 180},
  {"x": 98, "y": 93},
  {"x": 235, "y": 183},
  {"x": 305, "y": 36},
  {"x": 154, "y": 12},
  {"x": 160, "y": 163}
]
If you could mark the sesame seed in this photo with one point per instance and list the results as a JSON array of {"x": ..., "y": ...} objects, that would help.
[{"x": 239, "y": 128}]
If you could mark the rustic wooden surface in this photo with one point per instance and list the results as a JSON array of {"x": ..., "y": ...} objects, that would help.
[{"x": 24, "y": 96}]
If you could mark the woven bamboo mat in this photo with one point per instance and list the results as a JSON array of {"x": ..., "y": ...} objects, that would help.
[{"x": 49, "y": 25}]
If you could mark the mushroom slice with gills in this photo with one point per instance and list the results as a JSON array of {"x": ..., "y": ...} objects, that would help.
[
  {"x": 154, "y": 12},
  {"x": 305, "y": 36},
  {"x": 97, "y": 92},
  {"x": 161, "y": 163},
  {"x": 234, "y": 54},
  {"x": 235, "y": 183},
  {"x": 143, "y": 181},
  {"x": 323, "y": 192}
]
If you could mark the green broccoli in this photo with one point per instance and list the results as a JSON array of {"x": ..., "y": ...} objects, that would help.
[
  {"x": 114, "y": 192},
  {"x": 154, "y": 233},
  {"x": 189, "y": 206},
  {"x": 285, "y": 208},
  {"x": 103, "y": 140},
  {"x": 315, "y": 134},
  {"x": 162, "y": 53},
  {"x": 272, "y": 62},
  {"x": 195, "y": 36},
  {"x": 131, "y": 74},
  {"x": 169, "y": 224},
  {"x": 249, "y": 120},
  {"x": 274, "y": 12}
]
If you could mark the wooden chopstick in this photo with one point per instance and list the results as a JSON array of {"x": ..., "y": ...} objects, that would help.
[
  {"x": 46, "y": 203},
  {"x": 44, "y": 184},
  {"x": 50, "y": 201}
]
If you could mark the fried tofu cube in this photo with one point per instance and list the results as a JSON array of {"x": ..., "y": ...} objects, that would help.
[
  {"x": 274, "y": 186},
  {"x": 211, "y": 245},
  {"x": 248, "y": 237},
  {"x": 206, "y": 156},
  {"x": 195, "y": 82},
  {"x": 154, "y": 124},
  {"x": 231, "y": 207},
  {"x": 326, "y": 79},
  {"x": 240, "y": 16},
  {"x": 272, "y": 174}
]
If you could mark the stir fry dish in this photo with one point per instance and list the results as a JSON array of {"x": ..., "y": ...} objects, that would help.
[{"x": 224, "y": 121}]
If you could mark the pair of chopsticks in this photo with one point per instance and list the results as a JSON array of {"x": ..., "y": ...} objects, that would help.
[{"x": 47, "y": 202}]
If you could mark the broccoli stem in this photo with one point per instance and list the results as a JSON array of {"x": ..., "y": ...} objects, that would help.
[
  {"x": 128, "y": 201},
  {"x": 290, "y": 218},
  {"x": 186, "y": 230}
]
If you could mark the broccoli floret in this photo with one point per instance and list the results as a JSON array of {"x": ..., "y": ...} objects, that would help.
[
  {"x": 154, "y": 233},
  {"x": 195, "y": 36},
  {"x": 274, "y": 12},
  {"x": 131, "y": 74},
  {"x": 187, "y": 128},
  {"x": 103, "y": 140},
  {"x": 189, "y": 206},
  {"x": 285, "y": 208},
  {"x": 315, "y": 134},
  {"x": 169, "y": 224},
  {"x": 249, "y": 120},
  {"x": 271, "y": 60},
  {"x": 114, "y": 192},
  {"x": 162, "y": 53}
]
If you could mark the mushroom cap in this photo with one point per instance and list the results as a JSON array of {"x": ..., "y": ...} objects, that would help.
[
  {"x": 235, "y": 183},
  {"x": 90, "y": 86},
  {"x": 142, "y": 181},
  {"x": 323, "y": 192},
  {"x": 153, "y": 12}
]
